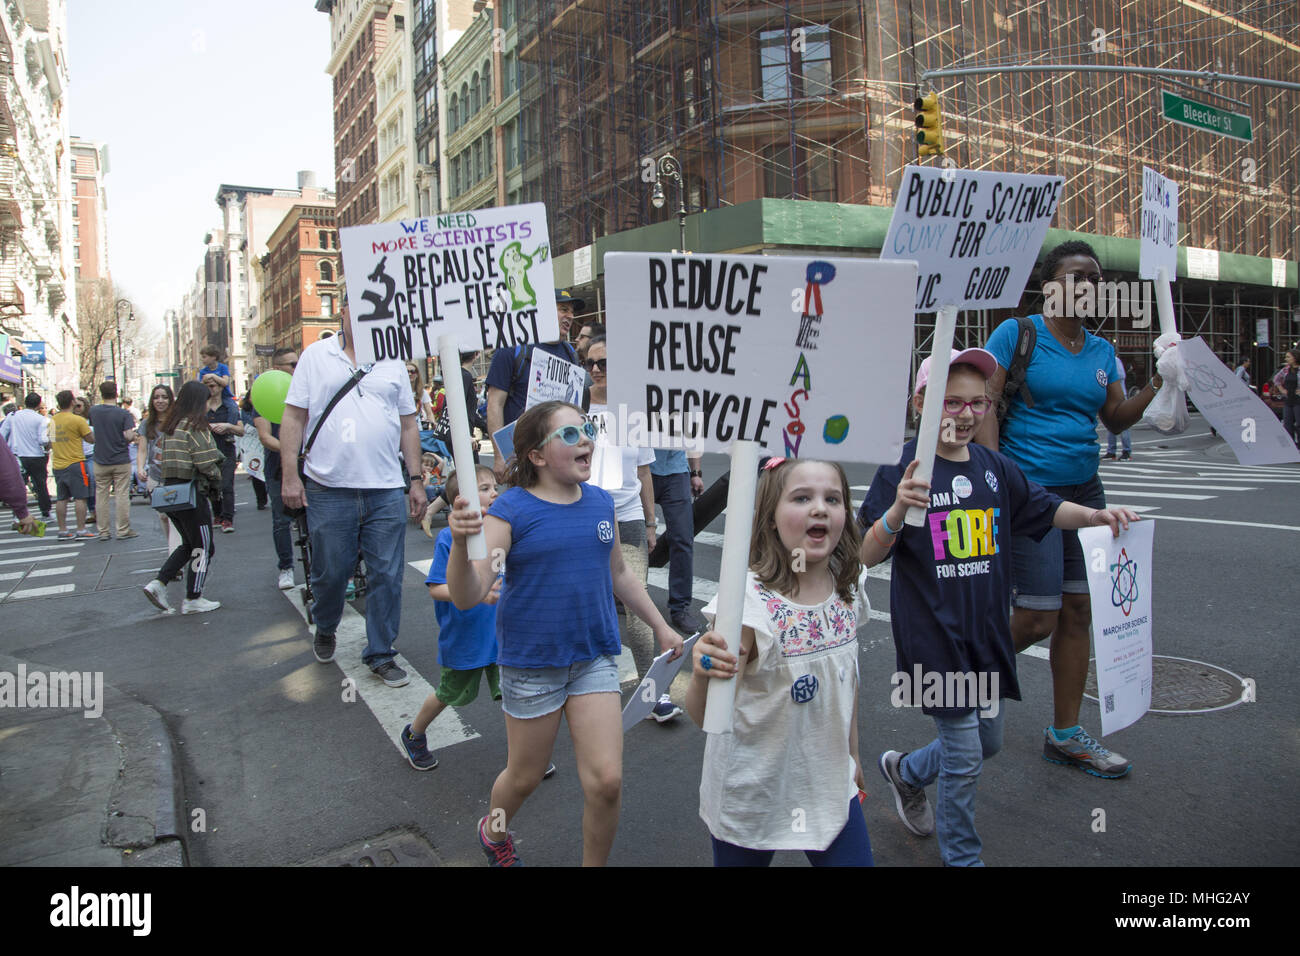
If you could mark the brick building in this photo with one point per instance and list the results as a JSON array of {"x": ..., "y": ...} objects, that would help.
[
  {"x": 301, "y": 273},
  {"x": 359, "y": 33}
]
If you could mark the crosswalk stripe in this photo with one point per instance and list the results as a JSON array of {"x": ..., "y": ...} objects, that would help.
[
  {"x": 1174, "y": 485},
  {"x": 1238, "y": 524},
  {"x": 56, "y": 556},
  {"x": 1140, "y": 509},
  {"x": 1167, "y": 494},
  {"x": 37, "y": 573},
  {"x": 41, "y": 592},
  {"x": 48, "y": 547},
  {"x": 393, "y": 707}
]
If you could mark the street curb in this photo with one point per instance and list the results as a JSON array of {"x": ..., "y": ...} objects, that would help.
[{"x": 144, "y": 811}]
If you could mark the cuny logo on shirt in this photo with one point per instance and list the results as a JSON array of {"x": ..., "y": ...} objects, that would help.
[
  {"x": 605, "y": 531},
  {"x": 1102, "y": 378},
  {"x": 964, "y": 533}
]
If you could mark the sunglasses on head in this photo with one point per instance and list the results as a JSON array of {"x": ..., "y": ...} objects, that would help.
[
  {"x": 572, "y": 434},
  {"x": 596, "y": 363}
]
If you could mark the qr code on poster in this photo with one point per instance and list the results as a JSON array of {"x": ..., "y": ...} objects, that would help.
[{"x": 1110, "y": 703}]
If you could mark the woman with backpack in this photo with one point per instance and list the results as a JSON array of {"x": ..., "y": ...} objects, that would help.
[{"x": 1054, "y": 380}]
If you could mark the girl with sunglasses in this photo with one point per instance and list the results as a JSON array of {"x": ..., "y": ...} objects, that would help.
[
  {"x": 950, "y": 591},
  {"x": 557, "y": 631}
]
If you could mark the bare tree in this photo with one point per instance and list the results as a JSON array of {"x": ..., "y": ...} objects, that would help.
[{"x": 97, "y": 328}]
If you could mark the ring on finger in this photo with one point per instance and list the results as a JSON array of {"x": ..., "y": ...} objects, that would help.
[{"x": 706, "y": 662}]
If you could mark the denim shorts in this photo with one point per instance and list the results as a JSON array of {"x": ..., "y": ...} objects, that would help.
[
  {"x": 535, "y": 692},
  {"x": 1041, "y": 571}
]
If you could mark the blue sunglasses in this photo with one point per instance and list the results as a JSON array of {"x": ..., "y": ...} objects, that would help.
[{"x": 572, "y": 434}]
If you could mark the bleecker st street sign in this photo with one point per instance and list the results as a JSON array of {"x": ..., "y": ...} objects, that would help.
[{"x": 1208, "y": 118}]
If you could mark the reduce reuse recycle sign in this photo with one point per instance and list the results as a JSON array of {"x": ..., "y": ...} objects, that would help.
[
  {"x": 484, "y": 276},
  {"x": 806, "y": 356}
]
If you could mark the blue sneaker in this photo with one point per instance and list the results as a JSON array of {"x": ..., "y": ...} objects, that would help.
[
  {"x": 663, "y": 711},
  {"x": 417, "y": 750},
  {"x": 1085, "y": 753}
]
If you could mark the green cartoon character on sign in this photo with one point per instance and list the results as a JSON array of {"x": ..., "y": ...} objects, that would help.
[{"x": 515, "y": 265}]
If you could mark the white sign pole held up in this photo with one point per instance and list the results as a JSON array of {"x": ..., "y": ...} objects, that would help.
[
  {"x": 731, "y": 579},
  {"x": 461, "y": 449},
  {"x": 1165, "y": 303},
  {"x": 927, "y": 439}
]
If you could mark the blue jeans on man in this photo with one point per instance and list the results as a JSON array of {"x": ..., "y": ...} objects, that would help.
[
  {"x": 343, "y": 522},
  {"x": 1110, "y": 442},
  {"x": 280, "y": 525},
  {"x": 673, "y": 495},
  {"x": 955, "y": 758}
]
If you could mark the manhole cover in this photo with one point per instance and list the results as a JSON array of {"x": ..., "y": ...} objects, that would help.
[
  {"x": 390, "y": 848},
  {"x": 1182, "y": 686}
]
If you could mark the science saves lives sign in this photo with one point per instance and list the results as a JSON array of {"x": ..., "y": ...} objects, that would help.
[
  {"x": 809, "y": 357},
  {"x": 484, "y": 276}
]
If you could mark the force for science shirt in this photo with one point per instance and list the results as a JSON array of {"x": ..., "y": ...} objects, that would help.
[{"x": 950, "y": 589}]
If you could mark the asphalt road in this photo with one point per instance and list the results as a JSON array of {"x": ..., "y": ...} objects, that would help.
[{"x": 287, "y": 766}]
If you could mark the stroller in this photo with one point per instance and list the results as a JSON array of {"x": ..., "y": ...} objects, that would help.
[{"x": 302, "y": 539}]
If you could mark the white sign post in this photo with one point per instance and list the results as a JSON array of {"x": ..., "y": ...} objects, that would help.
[
  {"x": 1119, "y": 582},
  {"x": 975, "y": 237},
  {"x": 786, "y": 354},
  {"x": 484, "y": 276},
  {"x": 422, "y": 287},
  {"x": 1158, "y": 253}
]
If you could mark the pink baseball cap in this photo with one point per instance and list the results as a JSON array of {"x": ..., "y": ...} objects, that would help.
[{"x": 982, "y": 359}]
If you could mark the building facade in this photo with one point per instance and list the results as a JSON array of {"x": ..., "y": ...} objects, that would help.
[
  {"x": 37, "y": 269},
  {"x": 358, "y": 36},
  {"x": 396, "y": 136},
  {"x": 469, "y": 158},
  {"x": 302, "y": 267},
  {"x": 89, "y": 210}
]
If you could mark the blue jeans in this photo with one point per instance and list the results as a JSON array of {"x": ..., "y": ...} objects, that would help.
[
  {"x": 851, "y": 848},
  {"x": 673, "y": 495},
  {"x": 280, "y": 525},
  {"x": 955, "y": 759},
  {"x": 343, "y": 521},
  {"x": 1110, "y": 442}
]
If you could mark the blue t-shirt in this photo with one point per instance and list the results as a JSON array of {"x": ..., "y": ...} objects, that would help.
[
  {"x": 669, "y": 463},
  {"x": 501, "y": 374},
  {"x": 950, "y": 589},
  {"x": 1055, "y": 442},
  {"x": 466, "y": 639},
  {"x": 557, "y": 603},
  {"x": 223, "y": 370}
]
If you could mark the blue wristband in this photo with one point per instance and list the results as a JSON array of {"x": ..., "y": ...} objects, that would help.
[{"x": 884, "y": 519}]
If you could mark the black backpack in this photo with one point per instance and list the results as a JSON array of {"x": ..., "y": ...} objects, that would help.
[{"x": 1026, "y": 340}]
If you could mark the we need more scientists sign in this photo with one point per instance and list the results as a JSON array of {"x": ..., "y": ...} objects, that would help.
[
  {"x": 484, "y": 276},
  {"x": 806, "y": 356}
]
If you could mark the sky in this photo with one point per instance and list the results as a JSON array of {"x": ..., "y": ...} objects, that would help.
[{"x": 190, "y": 94}]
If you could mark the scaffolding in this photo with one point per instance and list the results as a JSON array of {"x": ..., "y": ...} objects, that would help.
[{"x": 814, "y": 101}]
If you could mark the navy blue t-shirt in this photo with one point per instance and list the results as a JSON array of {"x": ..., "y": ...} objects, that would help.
[
  {"x": 501, "y": 374},
  {"x": 950, "y": 589},
  {"x": 557, "y": 602}
]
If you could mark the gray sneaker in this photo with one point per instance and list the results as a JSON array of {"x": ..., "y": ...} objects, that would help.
[
  {"x": 913, "y": 808},
  {"x": 391, "y": 674},
  {"x": 1085, "y": 753}
]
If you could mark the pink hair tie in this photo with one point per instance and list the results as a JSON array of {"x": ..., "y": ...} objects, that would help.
[{"x": 773, "y": 463}]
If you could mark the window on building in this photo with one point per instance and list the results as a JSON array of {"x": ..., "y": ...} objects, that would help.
[
  {"x": 489, "y": 150},
  {"x": 464, "y": 104},
  {"x": 453, "y": 115},
  {"x": 76, "y": 210},
  {"x": 76, "y": 253},
  {"x": 478, "y": 161},
  {"x": 326, "y": 271},
  {"x": 795, "y": 67},
  {"x": 475, "y": 100},
  {"x": 512, "y": 143},
  {"x": 509, "y": 82},
  {"x": 807, "y": 174},
  {"x": 507, "y": 14},
  {"x": 485, "y": 78}
]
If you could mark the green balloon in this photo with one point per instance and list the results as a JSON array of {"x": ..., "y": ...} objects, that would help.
[{"x": 268, "y": 392}]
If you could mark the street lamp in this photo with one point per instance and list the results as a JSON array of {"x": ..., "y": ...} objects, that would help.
[
  {"x": 669, "y": 168},
  {"x": 121, "y": 383}
]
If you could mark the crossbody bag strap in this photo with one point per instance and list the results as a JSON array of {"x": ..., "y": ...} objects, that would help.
[{"x": 348, "y": 386}]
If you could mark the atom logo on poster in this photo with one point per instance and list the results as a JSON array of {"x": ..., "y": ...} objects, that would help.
[{"x": 1123, "y": 583}]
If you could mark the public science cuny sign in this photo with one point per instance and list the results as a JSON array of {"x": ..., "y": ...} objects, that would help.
[
  {"x": 808, "y": 356},
  {"x": 484, "y": 276},
  {"x": 975, "y": 235}
]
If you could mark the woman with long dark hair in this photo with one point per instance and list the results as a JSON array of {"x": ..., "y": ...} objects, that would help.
[
  {"x": 148, "y": 458},
  {"x": 189, "y": 454}
]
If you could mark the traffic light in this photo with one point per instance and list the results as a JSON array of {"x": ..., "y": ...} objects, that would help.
[{"x": 929, "y": 126}]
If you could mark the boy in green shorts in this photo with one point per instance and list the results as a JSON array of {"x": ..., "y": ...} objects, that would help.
[{"x": 467, "y": 640}]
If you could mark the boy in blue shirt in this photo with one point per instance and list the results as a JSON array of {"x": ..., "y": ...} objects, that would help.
[{"x": 467, "y": 640}]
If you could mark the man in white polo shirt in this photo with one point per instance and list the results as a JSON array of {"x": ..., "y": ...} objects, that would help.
[
  {"x": 28, "y": 434},
  {"x": 356, "y": 488}
]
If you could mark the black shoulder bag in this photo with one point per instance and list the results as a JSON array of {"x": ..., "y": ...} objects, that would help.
[
  {"x": 348, "y": 386},
  {"x": 1026, "y": 340}
]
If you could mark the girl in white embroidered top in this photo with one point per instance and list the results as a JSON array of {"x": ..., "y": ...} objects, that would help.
[{"x": 788, "y": 774}]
